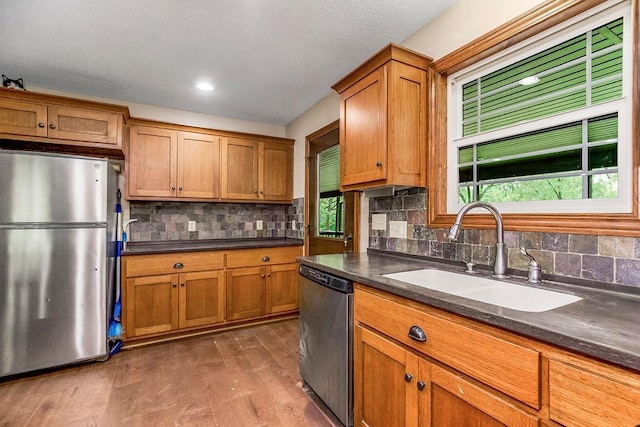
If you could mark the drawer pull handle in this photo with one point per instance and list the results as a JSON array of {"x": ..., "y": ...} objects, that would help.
[
  {"x": 408, "y": 377},
  {"x": 266, "y": 259},
  {"x": 416, "y": 334},
  {"x": 178, "y": 265},
  {"x": 421, "y": 385}
]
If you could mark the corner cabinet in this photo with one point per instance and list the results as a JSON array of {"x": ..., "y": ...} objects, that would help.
[
  {"x": 257, "y": 170},
  {"x": 39, "y": 118},
  {"x": 416, "y": 365},
  {"x": 383, "y": 121},
  {"x": 169, "y": 164}
]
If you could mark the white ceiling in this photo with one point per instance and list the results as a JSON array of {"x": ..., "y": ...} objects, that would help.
[{"x": 270, "y": 60}]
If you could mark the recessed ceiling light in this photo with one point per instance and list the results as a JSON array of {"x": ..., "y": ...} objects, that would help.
[
  {"x": 204, "y": 86},
  {"x": 531, "y": 80}
]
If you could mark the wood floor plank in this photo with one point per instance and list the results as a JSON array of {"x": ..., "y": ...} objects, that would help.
[{"x": 244, "y": 377}]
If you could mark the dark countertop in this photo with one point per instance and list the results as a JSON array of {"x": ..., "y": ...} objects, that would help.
[
  {"x": 168, "y": 246},
  {"x": 605, "y": 324}
]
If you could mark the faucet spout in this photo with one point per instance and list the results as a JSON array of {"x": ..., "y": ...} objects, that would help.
[{"x": 500, "y": 263}]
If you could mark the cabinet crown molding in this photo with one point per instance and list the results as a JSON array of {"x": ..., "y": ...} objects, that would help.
[{"x": 390, "y": 52}]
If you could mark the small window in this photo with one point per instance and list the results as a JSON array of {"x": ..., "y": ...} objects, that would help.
[
  {"x": 546, "y": 127},
  {"x": 330, "y": 200}
]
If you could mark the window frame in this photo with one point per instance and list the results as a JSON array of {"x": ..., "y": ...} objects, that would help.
[
  {"x": 620, "y": 106},
  {"x": 524, "y": 27}
]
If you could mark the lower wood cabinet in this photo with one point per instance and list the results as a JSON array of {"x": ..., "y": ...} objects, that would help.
[
  {"x": 166, "y": 293},
  {"x": 176, "y": 292},
  {"x": 401, "y": 381},
  {"x": 166, "y": 303},
  {"x": 246, "y": 289},
  {"x": 256, "y": 291},
  {"x": 394, "y": 386},
  {"x": 585, "y": 394}
]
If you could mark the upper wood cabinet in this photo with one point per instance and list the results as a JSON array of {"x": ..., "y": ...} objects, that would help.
[
  {"x": 257, "y": 170},
  {"x": 169, "y": 164},
  {"x": 48, "y": 119},
  {"x": 383, "y": 121}
]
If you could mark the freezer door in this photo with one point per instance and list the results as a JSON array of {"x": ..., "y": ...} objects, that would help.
[
  {"x": 52, "y": 297},
  {"x": 42, "y": 188}
]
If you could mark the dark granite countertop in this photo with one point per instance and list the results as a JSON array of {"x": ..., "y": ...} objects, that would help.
[
  {"x": 140, "y": 248},
  {"x": 605, "y": 324}
]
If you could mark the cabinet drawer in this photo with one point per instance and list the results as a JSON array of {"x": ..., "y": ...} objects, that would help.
[
  {"x": 505, "y": 366},
  {"x": 580, "y": 397},
  {"x": 148, "y": 265},
  {"x": 262, "y": 256}
]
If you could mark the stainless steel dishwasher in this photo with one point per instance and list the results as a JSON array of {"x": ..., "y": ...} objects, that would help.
[{"x": 326, "y": 339}]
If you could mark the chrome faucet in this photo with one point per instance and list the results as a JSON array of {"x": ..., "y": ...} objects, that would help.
[{"x": 500, "y": 264}]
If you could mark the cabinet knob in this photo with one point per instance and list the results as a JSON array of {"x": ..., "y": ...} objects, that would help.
[
  {"x": 40, "y": 125},
  {"x": 180, "y": 188},
  {"x": 266, "y": 259},
  {"x": 417, "y": 334},
  {"x": 379, "y": 164},
  {"x": 421, "y": 385},
  {"x": 263, "y": 276},
  {"x": 173, "y": 188},
  {"x": 261, "y": 192},
  {"x": 178, "y": 265},
  {"x": 52, "y": 126},
  {"x": 175, "y": 285},
  {"x": 269, "y": 275},
  {"x": 408, "y": 377},
  {"x": 182, "y": 284},
  {"x": 255, "y": 192}
]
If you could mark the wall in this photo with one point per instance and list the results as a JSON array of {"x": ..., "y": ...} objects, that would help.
[{"x": 321, "y": 114}]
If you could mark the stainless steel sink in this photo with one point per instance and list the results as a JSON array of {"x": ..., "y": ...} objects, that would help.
[{"x": 487, "y": 290}]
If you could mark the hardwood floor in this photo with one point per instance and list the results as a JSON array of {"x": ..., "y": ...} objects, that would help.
[{"x": 245, "y": 377}]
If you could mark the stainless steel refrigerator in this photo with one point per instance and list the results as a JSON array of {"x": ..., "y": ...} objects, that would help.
[{"x": 56, "y": 259}]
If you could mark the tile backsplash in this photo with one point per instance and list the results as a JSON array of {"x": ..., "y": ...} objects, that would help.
[
  {"x": 295, "y": 212},
  {"x": 159, "y": 221},
  {"x": 170, "y": 220},
  {"x": 602, "y": 258}
]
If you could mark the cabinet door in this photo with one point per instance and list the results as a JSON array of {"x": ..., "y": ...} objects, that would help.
[
  {"x": 245, "y": 293},
  {"x": 276, "y": 172},
  {"x": 83, "y": 125},
  {"x": 385, "y": 376},
  {"x": 23, "y": 118},
  {"x": 363, "y": 130},
  {"x": 282, "y": 288},
  {"x": 151, "y": 305},
  {"x": 453, "y": 401},
  {"x": 407, "y": 125},
  {"x": 239, "y": 169},
  {"x": 152, "y": 162},
  {"x": 198, "y": 165},
  {"x": 201, "y": 298}
]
